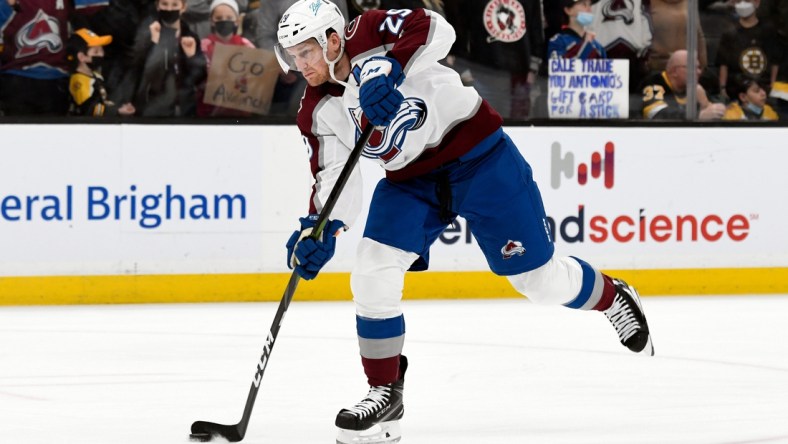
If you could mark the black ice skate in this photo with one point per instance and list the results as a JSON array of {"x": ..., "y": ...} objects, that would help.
[
  {"x": 374, "y": 420},
  {"x": 627, "y": 316}
]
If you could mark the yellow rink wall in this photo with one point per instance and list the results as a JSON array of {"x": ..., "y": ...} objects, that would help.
[{"x": 335, "y": 286}]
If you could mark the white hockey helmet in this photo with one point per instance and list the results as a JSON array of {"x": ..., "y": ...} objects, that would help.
[{"x": 304, "y": 20}]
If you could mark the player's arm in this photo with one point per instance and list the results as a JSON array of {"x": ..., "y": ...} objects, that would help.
[
  {"x": 415, "y": 38},
  {"x": 327, "y": 157}
]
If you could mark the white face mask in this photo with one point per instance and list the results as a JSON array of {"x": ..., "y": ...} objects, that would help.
[{"x": 745, "y": 9}]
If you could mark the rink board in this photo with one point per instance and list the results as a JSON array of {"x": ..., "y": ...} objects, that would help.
[{"x": 201, "y": 213}]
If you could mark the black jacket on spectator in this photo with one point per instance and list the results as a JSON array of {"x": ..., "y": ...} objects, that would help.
[
  {"x": 507, "y": 36},
  {"x": 163, "y": 79}
]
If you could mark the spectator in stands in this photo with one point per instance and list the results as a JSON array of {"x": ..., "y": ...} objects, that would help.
[
  {"x": 225, "y": 19},
  {"x": 290, "y": 86},
  {"x": 776, "y": 12},
  {"x": 198, "y": 15},
  {"x": 749, "y": 100},
  {"x": 167, "y": 64},
  {"x": 575, "y": 41},
  {"x": 120, "y": 19},
  {"x": 498, "y": 50},
  {"x": 84, "y": 52},
  {"x": 749, "y": 48},
  {"x": 624, "y": 30},
  {"x": 669, "y": 33},
  {"x": 33, "y": 69},
  {"x": 664, "y": 93}
]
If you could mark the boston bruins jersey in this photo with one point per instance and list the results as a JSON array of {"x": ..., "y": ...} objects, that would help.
[
  {"x": 660, "y": 101},
  {"x": 88, "y": 96}
]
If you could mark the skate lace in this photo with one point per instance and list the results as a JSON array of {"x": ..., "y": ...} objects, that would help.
[
  {"x": 376, "y": 399},
  {"x": 622, "y": 318}
]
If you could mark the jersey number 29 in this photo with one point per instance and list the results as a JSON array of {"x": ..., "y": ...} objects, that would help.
[{"x": 393, "y": 22}]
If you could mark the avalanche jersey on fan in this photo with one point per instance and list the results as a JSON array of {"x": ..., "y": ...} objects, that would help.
[
  {"x": 439, "y": 121},
  {"x": 34, "y": 35}
]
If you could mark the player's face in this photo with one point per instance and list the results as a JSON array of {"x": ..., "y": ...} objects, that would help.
[{"x": 308, "y": 58}]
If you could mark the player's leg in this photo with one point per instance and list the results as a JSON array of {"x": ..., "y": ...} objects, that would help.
[
  {"x": 394, "y": 237},
  {"x": 506, "y": 215}
]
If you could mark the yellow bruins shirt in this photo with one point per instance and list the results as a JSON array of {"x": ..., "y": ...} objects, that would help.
[
  {"x": 736, "y": 112},
  {"x": 88, "y": 96}
]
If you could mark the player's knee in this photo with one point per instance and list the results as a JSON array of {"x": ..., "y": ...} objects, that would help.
[
  {"x": 378, "y": 278},
  {"x": 554, "y": 283}
]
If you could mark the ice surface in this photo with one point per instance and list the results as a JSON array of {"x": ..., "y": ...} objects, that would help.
[{"x": 481, "y": 372}]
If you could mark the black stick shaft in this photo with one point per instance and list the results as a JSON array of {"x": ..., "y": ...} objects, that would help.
[{"x": 292, "y": 284}]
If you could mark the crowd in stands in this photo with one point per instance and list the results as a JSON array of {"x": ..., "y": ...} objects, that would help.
[{"x": 212, "y": 58}]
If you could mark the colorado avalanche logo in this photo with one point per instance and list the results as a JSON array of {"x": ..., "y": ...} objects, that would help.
[
  {"x": 511, "y": 248},
  {"x": 43, "y": 32},
  {"x": 504, "y": 20},
  {"x": 623, "y": 10},
  {"x": 386, "y": 144}
]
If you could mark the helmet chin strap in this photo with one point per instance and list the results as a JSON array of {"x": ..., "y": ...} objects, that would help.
[{"x": 332, "y": 64}]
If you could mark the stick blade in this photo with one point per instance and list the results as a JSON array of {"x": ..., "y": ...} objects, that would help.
[{"x": 204, "y": 431}]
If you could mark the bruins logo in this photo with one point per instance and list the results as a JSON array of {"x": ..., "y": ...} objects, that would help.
[{"x": 753, "y": 61}]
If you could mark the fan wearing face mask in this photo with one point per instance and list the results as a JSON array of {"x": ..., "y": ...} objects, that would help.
[
  {"x": 84, "y": 54},
  {"x": 575, "y": 41},
  {"x": 749, "y": 100},
  {"x": 166, "y": 64},
  {"x": 225, "y": 20},
  {"x": 749, "y": 48}
]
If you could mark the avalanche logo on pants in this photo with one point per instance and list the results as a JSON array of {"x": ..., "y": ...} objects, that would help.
[
  {"x": 511, "y": 248},
  {"x": 385, "y": 144}
]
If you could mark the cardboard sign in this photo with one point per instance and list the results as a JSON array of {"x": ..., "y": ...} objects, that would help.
[
  {"x": 241, "y": 78},
  {"x": 588, "y": 89}
]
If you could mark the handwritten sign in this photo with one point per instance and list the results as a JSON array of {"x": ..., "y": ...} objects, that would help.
[
  {"x": 241, "y": 78},
  {"x": 588, "y": 89}
]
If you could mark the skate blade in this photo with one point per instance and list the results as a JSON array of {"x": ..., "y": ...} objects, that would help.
[
  {"x": 648, "y": 350},
  {"x": 383, "y": 433}
]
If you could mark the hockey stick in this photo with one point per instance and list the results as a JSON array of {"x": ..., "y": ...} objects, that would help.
[{"x": 205, "y": 431}]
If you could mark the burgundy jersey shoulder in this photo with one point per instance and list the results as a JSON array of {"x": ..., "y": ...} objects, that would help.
[
  {"x": 312, "y": 97},
  {"x": 400, "y": 31}
]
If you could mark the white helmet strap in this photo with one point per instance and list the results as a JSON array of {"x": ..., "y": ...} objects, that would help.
[{"x": 332, "y": 63}]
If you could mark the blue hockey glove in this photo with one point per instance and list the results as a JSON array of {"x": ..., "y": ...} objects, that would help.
[
  {"x": 308, "y": 255},
  {"x": 379, "y": 79}
]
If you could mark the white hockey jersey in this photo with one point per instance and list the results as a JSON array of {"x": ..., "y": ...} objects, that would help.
[{"x": 439, "y": 121}]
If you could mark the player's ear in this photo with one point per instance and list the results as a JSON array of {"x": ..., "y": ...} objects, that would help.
[{"x": 334, "y": 41}]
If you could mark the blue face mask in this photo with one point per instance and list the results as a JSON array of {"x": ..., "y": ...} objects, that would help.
[
  {"x": 585, "y": 18},
  {"x": 755, "y": 109}
]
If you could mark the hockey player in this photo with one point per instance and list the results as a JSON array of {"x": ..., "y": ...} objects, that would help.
[{"x": 445, "y": 154}]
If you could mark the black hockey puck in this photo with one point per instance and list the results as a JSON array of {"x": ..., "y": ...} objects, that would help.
[{"x": 200, "y": 437}]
